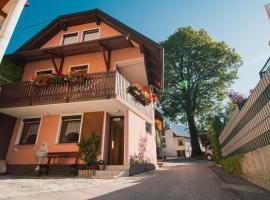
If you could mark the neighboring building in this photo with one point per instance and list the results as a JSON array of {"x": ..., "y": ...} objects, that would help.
[
  {"x": 10, "y": 11},
  {"x": 247, "y": 133},
  {"x": 60, "y": 114},
  {"x": 176, "y": 141}
]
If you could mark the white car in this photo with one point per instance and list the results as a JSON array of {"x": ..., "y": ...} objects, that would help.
[{"x": 209, "y": 153}]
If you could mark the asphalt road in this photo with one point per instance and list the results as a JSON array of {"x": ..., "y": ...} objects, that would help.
[{"x": 195, "y": 180}]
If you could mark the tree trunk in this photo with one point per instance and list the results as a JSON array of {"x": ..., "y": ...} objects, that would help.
[{"x": 196, "y": 150}]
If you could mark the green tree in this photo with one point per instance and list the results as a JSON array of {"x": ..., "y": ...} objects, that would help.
[
  {"x": 214, "y": 130},
  {"x": 208, "y": 67},
  {"x": 9, "y": 72}
]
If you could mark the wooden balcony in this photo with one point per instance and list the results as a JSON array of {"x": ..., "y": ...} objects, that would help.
[{"x": 102, "y": 85}]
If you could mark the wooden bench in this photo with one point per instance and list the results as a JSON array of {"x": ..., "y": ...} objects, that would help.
[{"x": 52, "y": 156}]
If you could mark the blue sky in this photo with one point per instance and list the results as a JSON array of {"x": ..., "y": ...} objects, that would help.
[{"x": 242, "y": 24}]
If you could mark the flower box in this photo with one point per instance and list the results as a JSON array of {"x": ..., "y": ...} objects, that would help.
[{"x": 141, "y": 93}]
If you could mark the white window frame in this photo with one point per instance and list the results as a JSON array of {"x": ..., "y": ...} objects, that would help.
[
  {"x": 18, "y": 138},
  {"x": 78, "y": 65},
  {"x": 90, "y": 29},
  {"x": 63, "y": 34},
  {"x": 42, "y": 70},
  {"x": 60, "y": 127}
]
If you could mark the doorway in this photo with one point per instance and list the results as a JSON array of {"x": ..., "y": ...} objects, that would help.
[{"x": 116, "y": 143}]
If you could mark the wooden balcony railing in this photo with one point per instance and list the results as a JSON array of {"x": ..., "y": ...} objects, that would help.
[{"x": 97, "y": 86}]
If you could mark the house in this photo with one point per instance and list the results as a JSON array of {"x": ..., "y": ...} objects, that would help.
[
  {"x": 103, "y": 57},
  {"x": 176, "y": 141},
  {"x": 10, "y": 11}
]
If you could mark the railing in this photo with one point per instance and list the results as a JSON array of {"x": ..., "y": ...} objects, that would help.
[
  {"x": 97, "y": 86},
  {"x": 121, "y": 85}
]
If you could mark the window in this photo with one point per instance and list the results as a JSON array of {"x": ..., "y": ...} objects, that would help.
[
  {"x": 148, "y": 127},
  {"x": 70, "y": 38},
  {"x": 70, "y": 129},
  {"x": 82, "y": 68},
  {"x": 29, "y": 131},
  {"x": 163, "y": 140},
  {"x": 44, "y": 72},
  {"x": 180, "y": 142},
  {"x": 90, "y": 35}
]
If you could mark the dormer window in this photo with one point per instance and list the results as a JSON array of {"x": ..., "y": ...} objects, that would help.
[
  {"x": 70, "y": 38},
  {"x": 89, "y": 35}
]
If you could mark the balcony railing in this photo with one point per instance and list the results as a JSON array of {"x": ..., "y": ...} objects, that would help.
[{"x": 98, "y": 86}]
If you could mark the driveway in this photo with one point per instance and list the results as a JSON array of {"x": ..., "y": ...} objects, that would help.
[{"x": 177, "y": 179}]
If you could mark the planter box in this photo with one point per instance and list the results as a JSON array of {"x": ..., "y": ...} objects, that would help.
[{"x": 87, "y": 173}]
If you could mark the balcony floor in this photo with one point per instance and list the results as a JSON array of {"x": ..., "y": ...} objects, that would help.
[{"x": 108, "y": 105}]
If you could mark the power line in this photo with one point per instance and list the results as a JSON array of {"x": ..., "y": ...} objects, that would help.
[{"x": 33, "y": 25}]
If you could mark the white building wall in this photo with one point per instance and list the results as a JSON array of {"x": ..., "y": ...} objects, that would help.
[
  {"x": 15, "y": 8},
  {"x": 136, "y": 132}
]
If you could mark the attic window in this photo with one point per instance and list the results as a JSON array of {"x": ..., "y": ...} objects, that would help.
[
  {"x": 89, "y": 35},
  {"x": 70, "y": 38}
]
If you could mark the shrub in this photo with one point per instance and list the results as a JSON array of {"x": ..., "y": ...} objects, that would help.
[
  {"x": 232, "y": 164},
  {"x": 89, "y": 149},
  {"x": 214, "y": 129}
]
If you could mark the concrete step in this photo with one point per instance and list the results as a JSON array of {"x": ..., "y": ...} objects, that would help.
[
  {"x": 117, "y": 168},
  {"x": 105, "y": 174}
]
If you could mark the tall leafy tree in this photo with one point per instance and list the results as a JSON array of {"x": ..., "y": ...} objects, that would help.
[
  {"x": 198, "y": 73},
  {"x": 9, "y": 72}
]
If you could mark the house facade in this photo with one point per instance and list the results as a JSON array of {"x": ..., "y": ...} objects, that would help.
[
  {"x": 103, "y": 57},
  {"x": 176, "y": 141}
]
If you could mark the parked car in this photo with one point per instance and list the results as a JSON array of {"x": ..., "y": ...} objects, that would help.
[{"x": 209, "y": 153}]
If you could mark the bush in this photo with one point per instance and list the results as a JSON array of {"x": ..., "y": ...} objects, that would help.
[
  {"x": 214, "y": 129},
  {"x": 232, "y": 164},
  {"x": 89, "y": 149}
]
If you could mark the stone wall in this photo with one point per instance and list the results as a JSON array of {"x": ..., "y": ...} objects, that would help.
[{"x": 256, "y": 167}]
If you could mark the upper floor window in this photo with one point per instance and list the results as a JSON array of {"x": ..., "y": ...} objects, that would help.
[
  {"x": 92, "y": 34},
  {"x": 79, "y": 69},
  {"x": 70, "y": 38},
  {"x": 29, "y": 131},
  {"x": 180, "y": 142},
  {"x": 70, "y": 129},
  {"x": 46, "y": 72}
]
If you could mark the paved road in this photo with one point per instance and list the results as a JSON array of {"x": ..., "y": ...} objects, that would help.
[{"x": 197, "y": 180}]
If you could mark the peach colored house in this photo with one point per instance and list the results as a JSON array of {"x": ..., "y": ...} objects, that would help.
[{"x": 60, "y": 114}]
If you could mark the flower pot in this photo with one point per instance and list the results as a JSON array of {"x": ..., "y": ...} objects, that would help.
[{"x": 101, "y": 167}]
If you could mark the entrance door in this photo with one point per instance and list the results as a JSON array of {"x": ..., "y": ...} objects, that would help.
[{"x": 116, "y": 141}]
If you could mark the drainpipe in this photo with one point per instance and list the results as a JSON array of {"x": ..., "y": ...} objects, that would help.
[{"x": 8, "y": 27}]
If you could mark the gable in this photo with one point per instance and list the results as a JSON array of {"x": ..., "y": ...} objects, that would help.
[
  {"x": 51, "y": 34},
  {"x": 104, "y": 32}
]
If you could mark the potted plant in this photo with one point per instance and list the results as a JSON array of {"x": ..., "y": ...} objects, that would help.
[
  {"x": 101, "y": 165},
  {"x": 88, "y": 148},
  {"x": 141, "y": 93}
]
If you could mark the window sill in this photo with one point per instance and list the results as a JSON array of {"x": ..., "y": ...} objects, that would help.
[
  {"x": 24, "y": 146},
  {"x": 75, "y": 143}
]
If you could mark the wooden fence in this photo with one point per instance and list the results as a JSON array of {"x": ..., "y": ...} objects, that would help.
[{"x": 249, "y": 128}]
